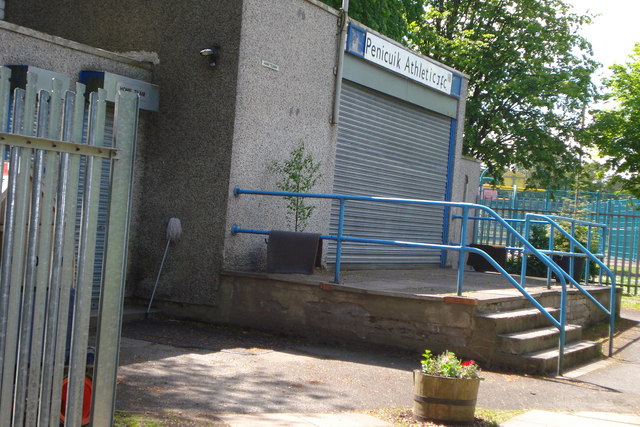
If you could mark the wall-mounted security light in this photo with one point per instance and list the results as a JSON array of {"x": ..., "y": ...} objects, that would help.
[{"x": 212, "y": 54}]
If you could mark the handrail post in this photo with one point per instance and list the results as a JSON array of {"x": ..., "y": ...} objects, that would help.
[
  {"x": 572, "y": 249},
  {"x": 525, "y": 253},
  {"x": 463, "y": 253},
  {"x": 587, "y": 267},
  {"x": 551, "y": 245},
  {"x": 612, "y": 314},
  {"x": 336, "y": 276},
  {"x": 563, "y": 323}
]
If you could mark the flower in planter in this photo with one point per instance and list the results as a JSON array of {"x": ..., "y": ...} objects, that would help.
[{"x": 448, "y": 365}]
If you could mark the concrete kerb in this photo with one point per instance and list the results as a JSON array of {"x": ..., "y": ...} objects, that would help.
[
  {"x": 578, "y": 419},
  {"x": 302, "y": 420}
]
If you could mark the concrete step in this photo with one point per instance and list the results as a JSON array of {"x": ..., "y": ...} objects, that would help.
[
  {"x": 517, "y": 320},
  {"x": 536, "y": 339},
  {"x": 545, "y": 362}
]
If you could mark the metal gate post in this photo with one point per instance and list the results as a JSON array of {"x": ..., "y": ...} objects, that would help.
[{"x": 111, "y": 302}]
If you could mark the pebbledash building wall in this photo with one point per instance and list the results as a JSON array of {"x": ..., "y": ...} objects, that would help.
[{"x": 399, "y": 132}]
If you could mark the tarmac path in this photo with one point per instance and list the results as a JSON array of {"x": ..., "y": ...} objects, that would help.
[{"x": 200, "y": 371}]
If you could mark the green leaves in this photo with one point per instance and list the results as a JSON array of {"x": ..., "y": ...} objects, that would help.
[
  {"x": 390, "y": 17},
  {"x": 448, "y": 365},
  {"x": 530, "y": 78},
  {"x": 299, "y": 173},
  {"x": 616, "y": 132}
]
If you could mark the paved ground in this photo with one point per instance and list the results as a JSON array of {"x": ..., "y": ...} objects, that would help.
[{"x": 222, "y": 371}]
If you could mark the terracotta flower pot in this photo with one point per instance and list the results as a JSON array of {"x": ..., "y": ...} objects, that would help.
[{"x": 444, "y": 399}]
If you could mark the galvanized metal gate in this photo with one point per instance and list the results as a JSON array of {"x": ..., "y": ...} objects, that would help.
[
  {"x": 45, "y": 276},
  {"x": 390, "y": 148}
]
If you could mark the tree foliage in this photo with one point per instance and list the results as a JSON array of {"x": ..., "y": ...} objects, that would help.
[
  {"x": 530, "y": 74},
  {"x": 616, "y": 132},
  {"x": 390, "y": 17},
  {"x": 530, "y": 78},
  {"x": 298, "y": 174}
]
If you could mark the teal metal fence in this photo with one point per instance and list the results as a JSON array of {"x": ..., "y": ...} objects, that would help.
[{"x": 620, "y": 214}]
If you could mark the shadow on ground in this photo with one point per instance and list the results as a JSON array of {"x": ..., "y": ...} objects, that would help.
[
  {"x": 199, "y": 370},
  {"x": 177, "y": 366}
]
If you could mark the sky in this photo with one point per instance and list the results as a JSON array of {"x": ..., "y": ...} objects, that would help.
[{"x": 614, "y": 32}]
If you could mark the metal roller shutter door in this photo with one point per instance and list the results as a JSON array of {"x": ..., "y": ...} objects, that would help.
[{"x": 389, "y": 148}]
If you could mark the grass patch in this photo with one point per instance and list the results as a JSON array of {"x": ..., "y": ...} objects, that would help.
[
  {"x": 403, "y": 417},
  {"x": 169, "y": 419},
  {"x": 600, "y": 332},
  {"x": 631, "y": 301},
  {"x": 125, "y": 419}
]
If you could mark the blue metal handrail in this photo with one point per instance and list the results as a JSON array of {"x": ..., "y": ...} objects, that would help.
[
  {"x": 462, "y": 248},
  {"x": 552, "y": 221}
]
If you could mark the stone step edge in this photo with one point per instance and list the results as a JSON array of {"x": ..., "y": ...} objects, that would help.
[
  {"x": 545, "y": 362},
  {"x": 572, "y": 347},
  {"x": 511, "y": 314},
  {"x": 538, "y": 332}
]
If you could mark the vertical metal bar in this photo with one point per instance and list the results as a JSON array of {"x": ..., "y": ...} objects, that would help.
[
  {"x": 86, "y": 258},
  {"x": 630, "y": 247},
  {"x": 623, "y": 276},
  {"x": 605, "y": 247},
  {"x": 336, "y": 274},
  {"x": 546, "y": 201},
  {"x": 612, "y": 315},
  {"x": 525, "y": 252},
  {"x": 587, "y": 262},
  {"x": 68, "y": 276},
  {"x": 10, "y": 291},
  {"x": 492, "y": 224},
  {"x": 480, "y": 226},
  {"x": 617, "y": 238},
  {"x": 15, "y": 255},
  {"x": 630, "y": 244},
  {"x": 463, "y": 252},
  {"x": 448, "y": 190},
  {"x": 495, "y": 234},
  {"x": 43, "y": 289},
  {"x": 56, "y": 267},
  {"x": 5, "y": 85},
  {"x": 606, "y": 238},
  {"x": 636, "y": 228},
  {"x": 572, "y": 250},
  {"x": 563, "y": 324},
  {"x": 11, "y": 285},
  {"x": 445, "y": 235},
  {"x": 497, "y": 231},
  {"x": 5, "y": 98},
  {"x": 27, "y": 324},
  {"x": 342, "y": 40},
  {"x": 514, "y": 215},
  {"x": 111, "y": 301},
  {"x": 506, "y": 213},
  {"x": 551, "y": 245}
]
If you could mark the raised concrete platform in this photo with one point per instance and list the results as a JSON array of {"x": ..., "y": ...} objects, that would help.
[{"x": 412, "y": 310}]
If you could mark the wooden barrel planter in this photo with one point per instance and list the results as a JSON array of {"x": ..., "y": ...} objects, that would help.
[{"x": 444, "y": 399}]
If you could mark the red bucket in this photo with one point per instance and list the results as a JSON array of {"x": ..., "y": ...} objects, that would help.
[{"x": 86, "y": 400}]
